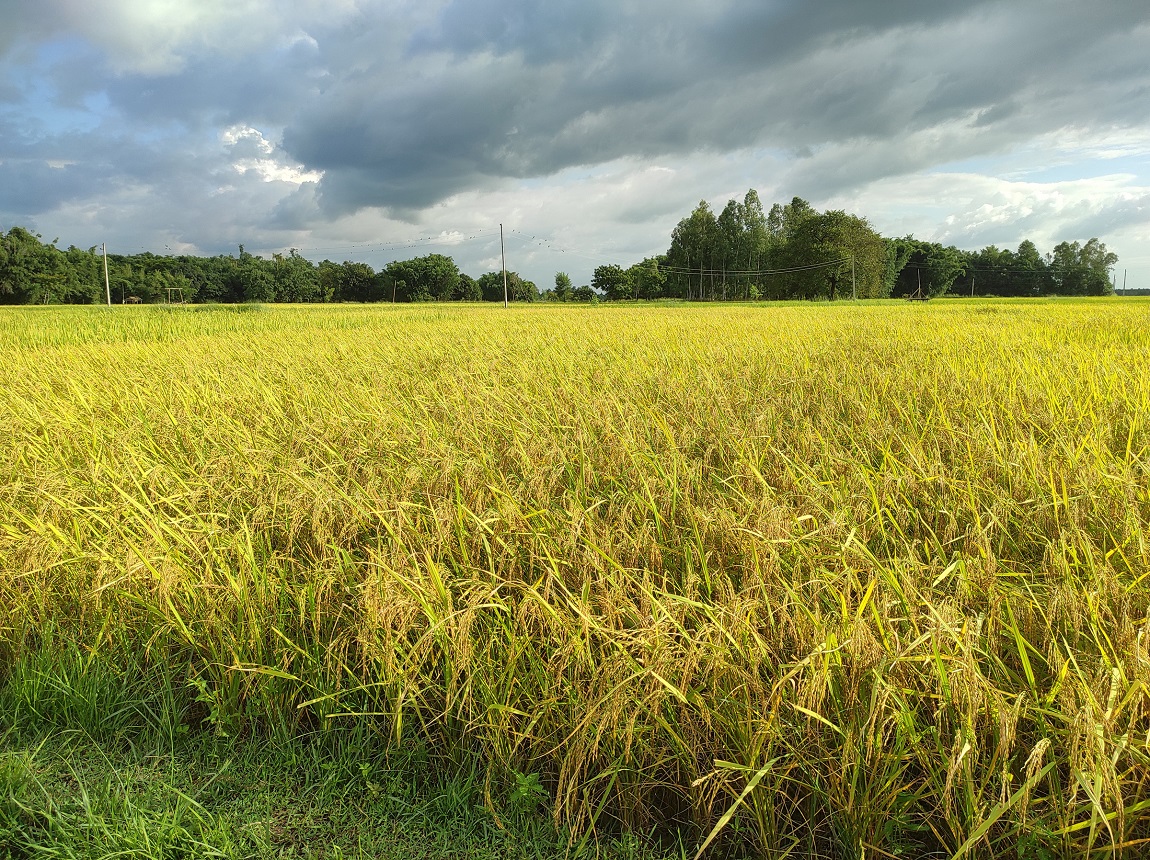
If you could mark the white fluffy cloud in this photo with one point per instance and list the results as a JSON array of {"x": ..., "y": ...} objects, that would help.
[{"x": 253, "y": 152}]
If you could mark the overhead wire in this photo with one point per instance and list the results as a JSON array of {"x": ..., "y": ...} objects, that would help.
[
  {"x": 547, "y": 243},
  {"x": 689, "y": 271},
  {"x": 684, "y": 269},
  {"x": 402, "y": 244},
  {"x": 551, "y": 244},
  {"x": 987, "y": 271}
]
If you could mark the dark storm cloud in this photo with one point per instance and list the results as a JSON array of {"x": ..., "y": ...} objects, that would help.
[
  {"x": 21, "y": 21},
  {"x": 494, "y": 90},
  {"x": 544, "y": 32},
  {"x": 406, "y": 105},
  {"x": 265, "y": 87},
  {"x": 33, "y": 188}
]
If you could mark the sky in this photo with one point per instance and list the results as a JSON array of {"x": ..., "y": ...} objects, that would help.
[{"x": 372, "y": 130}]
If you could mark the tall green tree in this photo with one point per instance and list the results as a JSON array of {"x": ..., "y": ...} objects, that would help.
[
  {"x": 254, "y": 279},
  {"x": 518, "y": 289},
  {"x": 613, "y": 282},
  {"x": 898, "y": 253},
  {"x": 358, "y": 283},
  {"x": 1082, "y": 270},
  {"x": 784, "y": 220},
  {"x": 836, "y": 255},
  {"x": 755, "y": 249},
  {"x": 933, "y": 267},
  {"x": 646, "y": 279},
  {"x": 30, "y": 272},
  {"x": 296, "y": 279},
  {"x": 692, "y": 255},
  {"x": 430, "y": 278},
  {"x": 329, "y": 276},
  {"x": 468, "y": 290},
  {"x": 731, "y": 225},
  {"x": 1032, "y": 270},
  {"x": 562, "y": 292}
]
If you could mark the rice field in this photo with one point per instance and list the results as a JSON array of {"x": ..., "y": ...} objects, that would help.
[{"x": 847, "y": 580}]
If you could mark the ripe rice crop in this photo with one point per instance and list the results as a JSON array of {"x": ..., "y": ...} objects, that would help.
[{"x": 838, "y": 579}]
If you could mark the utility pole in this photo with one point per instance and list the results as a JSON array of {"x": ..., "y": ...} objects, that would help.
[
  {"x": 854, "y": 286},
  {"x": 107, "y": 283},
  {"x": 1123, "y": 282},
  {"x": 503, "y": 256},
  {"x": 973, "y": 275}
]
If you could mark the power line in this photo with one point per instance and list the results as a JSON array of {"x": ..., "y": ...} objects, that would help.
[
  {"x": 400, "y": 245},
  {"x": 546, "y": 244},
  {"x": 551, "y": 244},
  {"x": 683, "y": 269},
  {"x": 356, "y": 248},
  {"x": 968, "y": 270},
  {"x": 807, "y": 268}
]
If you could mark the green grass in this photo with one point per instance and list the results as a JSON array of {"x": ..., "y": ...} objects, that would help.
[
  {"x": 100, "y": 760},
  {"x": 836, "y": 580},
  {"x": 72, "y": 797}
]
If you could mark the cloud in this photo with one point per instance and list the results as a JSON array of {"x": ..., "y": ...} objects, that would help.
[
  {"x": 284, "y": 123},
  {"x": 587, "y": 83},
  {"x": 251, "y": 151},
  {"x": 971, "y": 210},
  {"x": 158, "y": 37}
]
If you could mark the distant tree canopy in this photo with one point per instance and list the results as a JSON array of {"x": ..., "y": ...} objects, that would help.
[
  {"x": 791, "y": 252},
  {"x": 34, "y": 272},
  {"x": 434, "y": 278},
  {"x": 518, "y": 290},
  {"x": 833, "y": 255},
  {"x": 797, "y": 252}
]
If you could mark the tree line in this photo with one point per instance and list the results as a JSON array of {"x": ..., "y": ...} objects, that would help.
[
  {"x": 792, "y": 251},
  {"x": 35, "y": 272}
]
